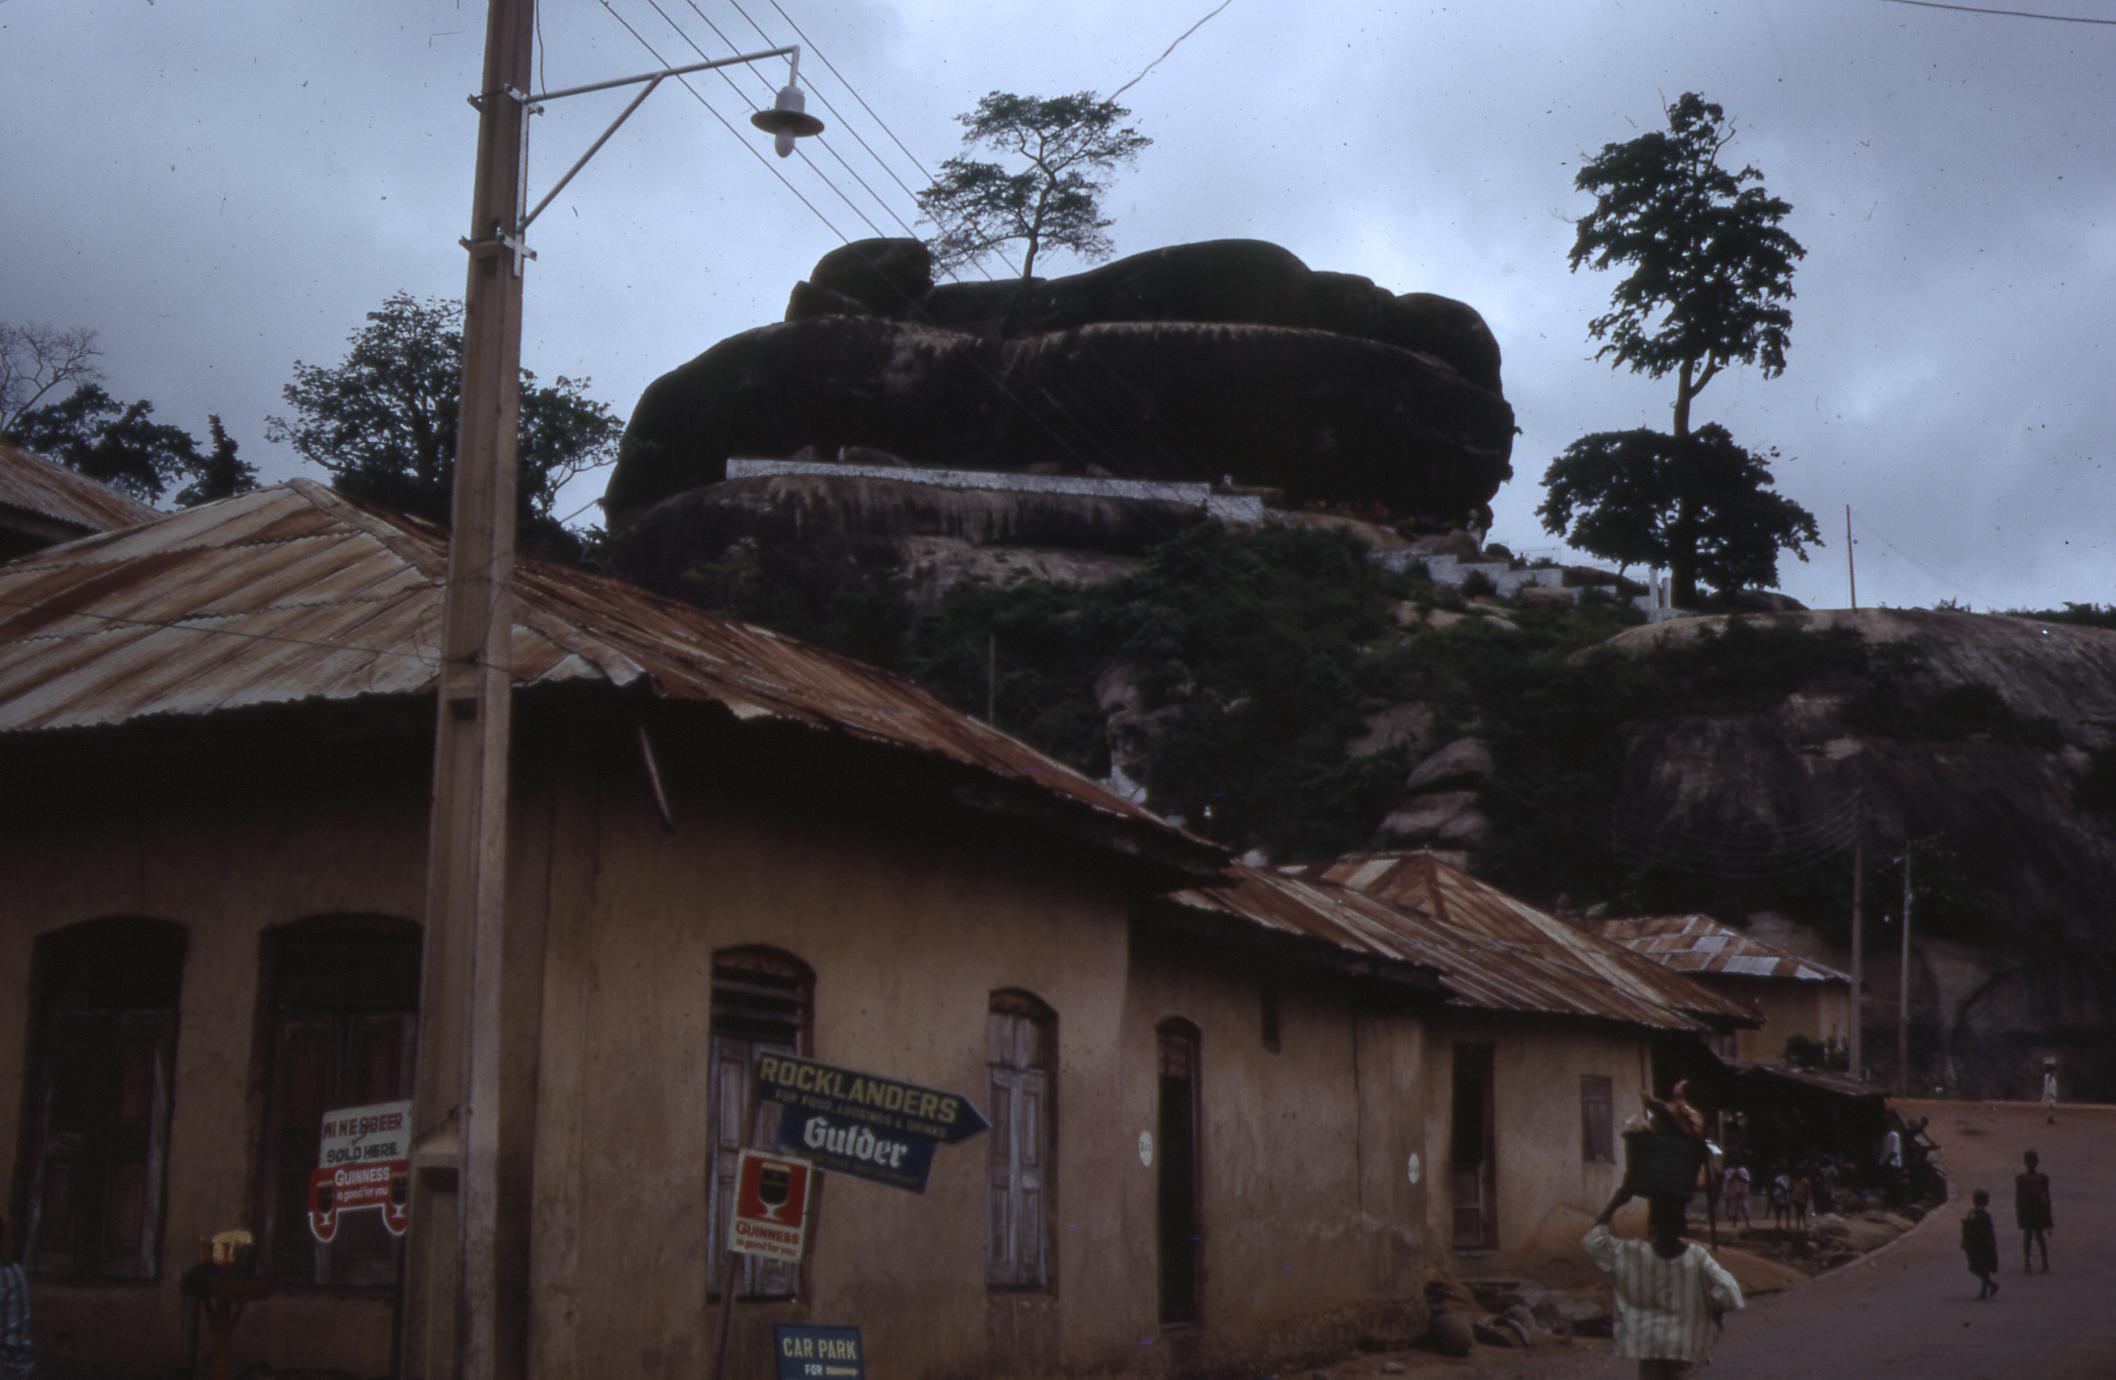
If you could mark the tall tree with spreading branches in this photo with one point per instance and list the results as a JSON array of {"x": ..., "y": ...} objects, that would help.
[
  {"x": 383, "y": 421},
  {"x": 36, "y": 361},
  {"x": 1059, "y": 154},
  {"x": 1711, "y": 274}
]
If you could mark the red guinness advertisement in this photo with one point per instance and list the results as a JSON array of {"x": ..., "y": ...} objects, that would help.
[
  {"x": 355, "y": 1188},
  {"x": 771, "y": 1206},
  {"x": 363, "y": 1163}
]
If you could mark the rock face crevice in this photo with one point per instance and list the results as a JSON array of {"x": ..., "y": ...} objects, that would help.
[{"x": 1193, "y": 362}]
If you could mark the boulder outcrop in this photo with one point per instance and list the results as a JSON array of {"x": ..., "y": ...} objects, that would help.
[{"x": 1193, "y": 362}]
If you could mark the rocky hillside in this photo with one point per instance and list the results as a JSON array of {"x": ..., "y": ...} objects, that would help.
[
  {"x": 1984, "y": 739},
  {"x": 1277, "y": 690}
]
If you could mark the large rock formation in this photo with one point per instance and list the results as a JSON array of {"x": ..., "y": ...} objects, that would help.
[
  {"x": 1194, "y": 362},
  {"x": 1980, "y": 745}
]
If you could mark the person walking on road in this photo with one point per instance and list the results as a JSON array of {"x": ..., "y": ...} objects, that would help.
[
  {"x": 1980, "y": 1244},
  {"x": 2031, "y": 1212},
  {"x": 2050, "y": 1091},
  {"x": 1670, "y": 1293}
]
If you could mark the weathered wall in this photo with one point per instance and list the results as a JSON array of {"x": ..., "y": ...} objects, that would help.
[
  {"x": 1818, "y": 1010},
  {"x": 227, "y": 851},
  {"x": 909, "y": 932},
  {"x": 1313, "y": 1234},
  {"x": 910, "y": 915},
  {"x": 1543, "y": 1180}
]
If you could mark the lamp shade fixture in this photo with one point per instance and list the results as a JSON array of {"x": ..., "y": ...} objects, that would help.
[{"x": 787, "y": 120}]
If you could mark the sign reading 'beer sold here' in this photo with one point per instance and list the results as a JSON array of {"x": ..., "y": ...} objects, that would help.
[{"x": 861, "y": 1124}]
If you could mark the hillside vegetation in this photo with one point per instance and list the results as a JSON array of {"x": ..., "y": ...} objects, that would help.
[{"x": 1276, "y": 691}]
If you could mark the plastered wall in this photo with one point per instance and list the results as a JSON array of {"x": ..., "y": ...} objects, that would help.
[{"x": 1544, "y": 1181}]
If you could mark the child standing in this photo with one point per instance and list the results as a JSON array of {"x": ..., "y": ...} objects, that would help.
[
  {"x": 1735, "y": 1190},
  {"x": 2031, "y": 1211},
  {"x": 1980, "y": 1244}
]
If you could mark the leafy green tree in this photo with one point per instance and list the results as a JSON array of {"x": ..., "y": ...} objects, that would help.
[
  {"x": 120, "y": 444},
  {"x": 1711, "y": 272},
  {"x": 1621, "y": 493},
  {"x": 219, "y": 473},
  {"x": 1060, "y": 153},
  {"x": 383, "y": 420}
]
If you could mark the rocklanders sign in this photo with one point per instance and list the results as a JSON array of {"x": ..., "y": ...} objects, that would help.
[{"x": 861, "y": 1124}]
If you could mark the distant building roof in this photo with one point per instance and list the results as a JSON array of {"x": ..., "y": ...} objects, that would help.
[
  {"x": 69, "y": 505},
  {"x": 295, "y": 594},
  {"x": 1700, "y": 944},
  {"x": 1498, "y": 952}
]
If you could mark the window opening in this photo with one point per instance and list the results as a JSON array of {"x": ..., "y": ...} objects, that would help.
[
  {"x": 1181, "y": 1228},
  {"x": 1020, "y": 1054},
  {"x": 762, "y": 1000},
  {"x": 342, "y": 1014},
  {"x": 105, "y": 997}
]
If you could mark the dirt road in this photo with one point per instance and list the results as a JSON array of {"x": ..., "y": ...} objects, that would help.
[{"x": 1909, "y": 1310}]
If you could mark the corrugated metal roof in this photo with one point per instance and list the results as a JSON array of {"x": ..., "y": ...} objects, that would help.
[
  {"x": 1599, "y": 978},
  {"x": 36, "y": 485},
  {"x": 1493, "y": 950},
  {"x": 295, "y": 594},
  {"x": 1700, "y": 944}
]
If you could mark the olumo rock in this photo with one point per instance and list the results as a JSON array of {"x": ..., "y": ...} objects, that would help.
[{"x": 1191, "y": 362}]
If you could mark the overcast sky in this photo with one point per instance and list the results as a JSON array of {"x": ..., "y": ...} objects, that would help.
[{"x": 220, "y": 187}]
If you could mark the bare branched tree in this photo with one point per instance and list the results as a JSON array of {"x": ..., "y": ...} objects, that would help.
[{"x": 36, "y": 359}]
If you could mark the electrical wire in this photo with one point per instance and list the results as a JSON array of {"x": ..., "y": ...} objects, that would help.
[
  {"x": 722, "y": 73},
  {"x": 922, "y": 169},
  {"x": 2006, "y": 14},
  {"x": 746, "y": 144}
]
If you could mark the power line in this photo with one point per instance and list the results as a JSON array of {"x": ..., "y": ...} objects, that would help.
[
  {"x": 843, "y": 123},
  {"x": 923, "y": 170},
  {"x": 2006, "y": 14},
  {"x": 722, "y": 73},
  {"x": 1166, "y": 51},
  {"x": 746, "y": 144},
  {"x": 1867, "y": 525}
]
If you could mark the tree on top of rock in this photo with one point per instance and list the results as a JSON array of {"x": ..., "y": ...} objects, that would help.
[
  {"x": 1711, "y": 274},
  {"x": 1047, "y": 195}
]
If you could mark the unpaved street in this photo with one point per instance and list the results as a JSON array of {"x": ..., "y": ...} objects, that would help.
[{"x": 1909, "y": 1310}]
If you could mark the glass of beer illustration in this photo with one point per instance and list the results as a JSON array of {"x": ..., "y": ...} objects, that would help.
[{"x": 774, "y": 1187}]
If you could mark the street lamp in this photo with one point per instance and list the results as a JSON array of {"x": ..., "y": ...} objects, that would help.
[{"x": 466, "y": 1297}]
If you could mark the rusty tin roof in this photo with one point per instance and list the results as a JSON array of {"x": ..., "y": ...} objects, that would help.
[
  {"x": 296, "y": 594},
  {"x": 1511, "y": 956},
  {"x": 1488, "y": 955},
  {"x": 33, "y": 484},
  {"x": 1700, "y": 944}
]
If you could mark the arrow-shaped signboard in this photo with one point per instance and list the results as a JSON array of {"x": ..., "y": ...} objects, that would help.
[{"x": 860, "y": 1123}]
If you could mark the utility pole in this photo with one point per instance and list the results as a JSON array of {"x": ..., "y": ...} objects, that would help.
[
  {"x": 1903, "y": 986},
  {"x": 466, "y": 1285},
  {"x": 466, "y": 1294},
  {"x": 1851, "y": 564},
  {"x": 1858, "y": 953}
]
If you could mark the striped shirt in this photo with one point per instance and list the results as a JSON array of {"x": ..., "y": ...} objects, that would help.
[
  {"x": 1666, "y": 1310},
  {"x": 17, "y": 1361}
]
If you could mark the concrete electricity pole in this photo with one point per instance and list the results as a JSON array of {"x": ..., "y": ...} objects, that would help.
[
  {"x": 1903, "y": 985},
  {"x": 466, "y": 1298},
  {"x": 1856, "y": 1052},
  {"x": 467, "y": 1262}
]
